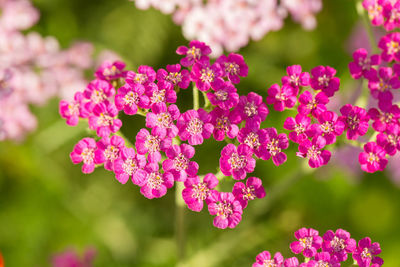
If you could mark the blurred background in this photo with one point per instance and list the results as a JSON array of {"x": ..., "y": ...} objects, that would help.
[{"x": 47, "y": 205}]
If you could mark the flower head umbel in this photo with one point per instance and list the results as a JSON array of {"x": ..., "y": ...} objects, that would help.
[
  {"x": 323, "y": 78},
  {"x": 227, "y": 209},
  {"x": 237, "y": 161},
  {"x": 198, "y": 190},
  {"x": 178, "y": 162},
  {"x": 233, "y": 66},
  {"x": 129, "y": 165},
  {"x": 196, "y": 52},
  {"x": 108, "y": 151},
  {"x": 338, "y": 244},
  {"x": 366, "y": 253},
  {"x": 308, "y": 244},
  {"x": 251, "y": 190},
  {"x": 264, "y": 260},
  {"x": 313, "y": 150},
  {"x": 195, "y": 126},
  {"x": 84, "y": 152},
  {"x": 373, "y": 158}
]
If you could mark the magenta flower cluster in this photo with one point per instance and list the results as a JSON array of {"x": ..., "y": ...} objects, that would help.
[{"x": 331, "y": 249}]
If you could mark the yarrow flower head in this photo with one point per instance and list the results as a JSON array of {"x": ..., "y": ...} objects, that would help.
[
  {"x": 233, "y": 67},
  {"x": 313, "y": 150},
  {"x": 323, "y": 78},
  {"x": 282, "y": 97},
  {"x": 197, "y": 191},
  {"x": 155, "y": 183},
  {"x": 108, "y": 150},
  {"x": 227, "y": 209},
  {"x": 373, "y": 158},
  {"x": 251, "y": 190},
  {"x": 355, "y": 120},
  {"x": 338, "y": 244},
  {"x": 84, "y": 152},
  {"x": 361, "y": 66},
  {"x": 173, "y": 76},
  {"x": 195, "y": 126},
  {"x": 129, "y": 165},
  {"x": 237, "y": 161},
  {"x": 295, "y": 77},
  {"x": 308, "y": 244},
  {"x": 366, "y": 253},
  {"x": 196, "y": 52},
  {"x": 178, "y": 162},
  {"x": 264, "y": 259},
  {"x": 252, "y": 110}
]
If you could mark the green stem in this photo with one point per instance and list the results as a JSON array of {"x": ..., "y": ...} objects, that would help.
[
  {"x": 195, "y": 98},
  {"x": 207, "y": 102}
]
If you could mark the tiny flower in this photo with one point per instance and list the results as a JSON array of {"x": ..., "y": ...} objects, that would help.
[
  {"x": 323, "y": 79},
  {"x": 205, "y": 76},
  {"x": 178, "y": 162},
  {"x": 145, "y": 76},
  {"x": 108, "y": 150},
  {"x": 390, "y": 45},
  {"x": 322, "y": 259},
  {"x": 222, "y": 122},
  {"x": 313, "y": 151},
  {"x": 196, "y": 52},
  {"x": 173, "y": 76},
  {"x": 329, "y": 126},
  {"x": 195, "y": 126},
  {"x": 129, "y": 165},
  {"x": 373, "y": 158},
  {"x": 273, "y": 147},
  {"x": 152, "y": 143},
  {"x": 299, "y": 126},
  {"x": 84, "y": 152},
  {"x": 111, "y": 71},
  {"x": 391, "y": 12},
  {"x": 390, "y": 140},
  {"x": 252, "y": 110},
  {"x": 237, "y": 161},
  {"x": 295, "y": 77},
  {"x": 314, "y": 105},
  {"x": 98, "y": 91},
  {"x": 253, "y": 189},
  {"x": 264, "y": 260},
  {"x": 381, "y": 83},
  {"x": 227, "y": 209},
  {"x": 355, "y": 120},
  {"x": 282, "y": 97},
  {"x": 255, "y": 139},
  {"x": 155, "y": 183},
  {"x": 233, "y": 66},
  {"x": 375, "y": 11},
  {"x": 291, "y": 262},
  {"x": 384, "y": 119},
  {"x": 196, "y": 191},
  {"x": 366, "y": 253},
  {"x": 361, "y": 66},
  {"x": 162, "y": 118},
  {"x": 130, "y": 98},
  {"x": 338, "y": 244},
  {"x": 104, "y": 120},
  {"x": 224, "y": 96},
  {"x": 308, "y": 244},
  {"x": 74, "y": 110},
  {"x": 159, "y": 94}
]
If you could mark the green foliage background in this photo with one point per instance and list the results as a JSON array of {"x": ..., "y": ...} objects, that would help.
[{"x": 48, "y": 205}]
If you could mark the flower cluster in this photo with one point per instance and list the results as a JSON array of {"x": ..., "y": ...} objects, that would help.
[
  {"x": 70, "y": 258},
  {"x": 331, "y": 249},
  {"x": 215, "y": 22},
  {"x": 33, "y": 68}
]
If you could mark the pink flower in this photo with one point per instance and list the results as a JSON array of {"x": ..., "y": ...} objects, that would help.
[
  {"x": 111, "y": 71},
  {"x": 282, "y": 97},
  {"x": 173, "y": 76},
  {"x": 308, "y": 244},
  {"x": 152, "y": 143},
  {"x": 162, "y": 118},
  {"x": 70, "y": 258},
  {"x": 295, "y": 77},
  {"x": 130, "y": 98},
  {"x": 237, "y": 161},
  {"x": 365, "y": 254},
  {"x": 98, "y": 91},
  {"x": 104, "y": 120},
  {"x": 252, "y": 110},
  {"x": 273, "y": 147},
  {"x": 361, "y": 66},
  {"x": 84, "y": 152},
  {"x": 205, "y": 76},
  {"x": 355, "y": 120},
  {"x": 390, "y": 140},
  {"x": 145, "y": 76},
  {"x": 390, "y": 45},
  {"x": 383, "y": 119},
  {"x": 255, "y": 139},
  {"x": 264, "y": 259},
  {"x": 129, "y": 164},
  {"x": 253, "y": 189},
  {"x": 313, "y": 151},
  {"x": 291, "y": 262},
  {"x": 381, "y": 83},
  {"x": 178, "y": 162},
  {"x": 323, "y": 79},
  {"x": 233, "y": 66},
  {"x": 314, "y": 105},
  {"x": 108, "y": 150},
  {"x": 196, "y": 192},
  {"x": 373, "y": 158},
  {"x": 338, "y": 244},
  {"x": 196, "y": 52},
  {"x": 391, "y": 11},
  {"x": 227, "y": 209},
  {"x": 195, "y": 126},
  {"x": 158, "y": 94},
  {"x": 322, "y": 259},
  {"x": 329, "y": 126},
  {"x": 74, "y": 110},
  {"x": 299, "y": 127},
  {"x": 375, "y": 11},
  {"x": 224, "y": 96},
  {"x": 155, "y": 183},
  {"x": 221, "y": 120}
]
